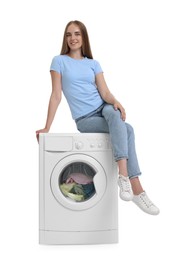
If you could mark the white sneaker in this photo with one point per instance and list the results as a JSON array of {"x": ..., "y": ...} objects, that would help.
[
  {"x": 126, "y": 192},
  {"x": 144, "y": 203}
]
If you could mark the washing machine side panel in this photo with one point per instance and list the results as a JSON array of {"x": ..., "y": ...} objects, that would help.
[{"x": 41, "y": 182}]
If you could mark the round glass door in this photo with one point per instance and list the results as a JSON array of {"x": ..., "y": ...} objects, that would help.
[{"x": 78, "y": 181}]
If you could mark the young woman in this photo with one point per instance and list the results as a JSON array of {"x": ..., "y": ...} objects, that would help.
[{"x": 95, "y": 109}]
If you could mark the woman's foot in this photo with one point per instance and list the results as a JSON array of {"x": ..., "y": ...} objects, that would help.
[
  {"x": 126, "y": 192},
  {"x": 144, "y": 203}
]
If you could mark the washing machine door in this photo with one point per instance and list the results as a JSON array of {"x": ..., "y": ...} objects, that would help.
[{"x": 78, "y": 181}]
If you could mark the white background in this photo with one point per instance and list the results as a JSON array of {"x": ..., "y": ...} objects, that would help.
[{"x": 135, "y": 42}]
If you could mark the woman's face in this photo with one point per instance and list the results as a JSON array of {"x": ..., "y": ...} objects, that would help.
[{"x": 74, "y": 37}]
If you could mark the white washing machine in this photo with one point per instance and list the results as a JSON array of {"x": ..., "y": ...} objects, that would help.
[{"x": 78, "y": 200}]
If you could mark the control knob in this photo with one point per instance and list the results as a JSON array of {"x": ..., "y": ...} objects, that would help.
[
  {"x": 100, "y": 145},
  {"x": 79, "y": 145}
]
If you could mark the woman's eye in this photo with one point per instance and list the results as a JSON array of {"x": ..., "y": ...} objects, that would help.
[{"x": 76, "y": 34}]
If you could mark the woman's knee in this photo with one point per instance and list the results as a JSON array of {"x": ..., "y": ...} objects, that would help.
[{"x": 109, "y": 111}]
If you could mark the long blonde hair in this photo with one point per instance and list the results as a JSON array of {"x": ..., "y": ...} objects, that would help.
[{"x": 86, "y": 50}]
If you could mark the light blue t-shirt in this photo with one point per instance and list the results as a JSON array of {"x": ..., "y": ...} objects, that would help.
[{"x": 78, "y": 83}]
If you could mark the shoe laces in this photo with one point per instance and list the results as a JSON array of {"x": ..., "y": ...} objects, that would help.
[
  {"x": 144, "y": 198},
  {"x": 125, "y": 183}
]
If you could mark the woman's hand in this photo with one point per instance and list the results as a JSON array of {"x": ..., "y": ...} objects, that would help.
[
  {"x": 118, "y": 106},
  {"x": 44, "y": 130}
]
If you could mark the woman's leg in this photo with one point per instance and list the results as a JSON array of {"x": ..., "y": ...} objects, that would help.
[
  {"x": 122, "y": 137},
  {"x": 136, "y": 186},
  {"x": 98, "y": 124},
  {"x": 122, "y": 165},
  {"x": 119, "y": 137},
  {"x": 123, "y": 141}
]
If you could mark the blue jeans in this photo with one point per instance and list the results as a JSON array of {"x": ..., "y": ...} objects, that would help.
[{"x": 106, "y": 119}]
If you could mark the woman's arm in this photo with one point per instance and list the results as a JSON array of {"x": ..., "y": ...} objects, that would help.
[
  {"x": 54, "y": 101},
  {"x": 107, "y": 96}
]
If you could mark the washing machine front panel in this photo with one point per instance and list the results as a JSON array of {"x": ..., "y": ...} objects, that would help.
[
  {"x": 78, "y": 181},
  {"x": 62, "y": 219}
]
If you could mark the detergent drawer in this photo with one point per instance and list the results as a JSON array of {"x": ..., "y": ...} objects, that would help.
[{"x": 58, "y": 143}]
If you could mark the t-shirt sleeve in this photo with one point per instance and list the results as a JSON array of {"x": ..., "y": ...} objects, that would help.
[
  {"x": 56, "y": 64},
  {"x": 97, "y": 68}
]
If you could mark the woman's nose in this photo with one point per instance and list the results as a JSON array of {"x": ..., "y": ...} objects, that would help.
[{"x": 73, "y": 36}]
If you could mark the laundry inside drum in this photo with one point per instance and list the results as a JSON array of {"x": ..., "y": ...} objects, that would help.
[{"x": 76, "y": 181}]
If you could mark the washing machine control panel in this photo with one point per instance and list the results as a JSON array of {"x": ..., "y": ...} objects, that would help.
[{"x": 91, "y": 144}]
